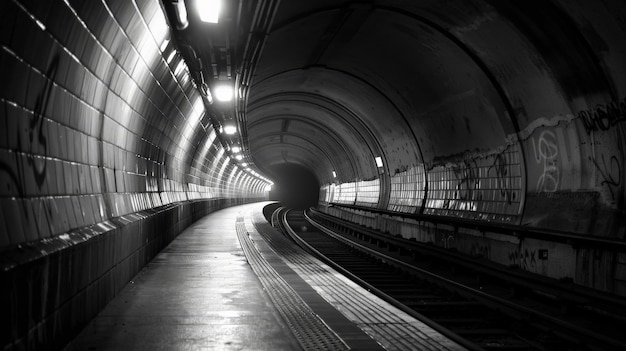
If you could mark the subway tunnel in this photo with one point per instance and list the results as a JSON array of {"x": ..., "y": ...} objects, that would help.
[{"x": 492, "y": 128}]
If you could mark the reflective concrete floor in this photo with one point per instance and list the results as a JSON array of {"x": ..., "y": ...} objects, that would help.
[{"x": 176, "y": 304}]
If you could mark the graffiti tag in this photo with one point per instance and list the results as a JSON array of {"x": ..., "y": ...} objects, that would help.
[
  {"x": 468, "y": 181},
  {"x": 610, "y": 172},
  {"x": 526, "y": 259},
  {"x": 546, "y": 153},
  {"x": 603, "y": 117},
  {"x": 36, "y": 140},
  {"x": 504, "y": 179},
  {"x": 480, "y": 250},
  {"x": 36, "y": 137}
]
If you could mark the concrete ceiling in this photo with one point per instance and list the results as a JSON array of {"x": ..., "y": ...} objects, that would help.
[
  {"x": 415, "y": 82},
  {"x": 427, "y": 86}
]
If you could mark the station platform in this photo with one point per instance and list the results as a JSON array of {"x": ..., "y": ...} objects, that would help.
[{"x": 232, "y": 282}]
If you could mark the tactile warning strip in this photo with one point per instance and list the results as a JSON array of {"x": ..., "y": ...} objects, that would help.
[
  {"x": 309, "y": 330},
  {"x": 392, "y": 328}
]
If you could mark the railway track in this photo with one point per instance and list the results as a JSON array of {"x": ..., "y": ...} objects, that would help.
[{"x": 482, "y": 310}]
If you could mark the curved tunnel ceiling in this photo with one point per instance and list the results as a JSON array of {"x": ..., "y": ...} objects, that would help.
[
  {"x": 387, "y": 82},
  {"x": 484, "y": 107},
  {"x": 490, "y": 113},
  {"x": 488, "y": 104},
  {"x": 476, "y": 108}
]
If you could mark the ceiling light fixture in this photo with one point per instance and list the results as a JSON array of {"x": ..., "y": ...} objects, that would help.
[
  {"x": 209, "y": 10},
  {"x": 230, "y": 129},
  {"x": 379, "y": 162},
  {"x": 236, "y": 149},
  {"x": 223, "y": 92}
]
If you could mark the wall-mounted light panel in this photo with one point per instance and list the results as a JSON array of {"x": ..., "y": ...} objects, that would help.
[
  {"x": 209, "y": 10},
  {"x": 379, "y": 162}
]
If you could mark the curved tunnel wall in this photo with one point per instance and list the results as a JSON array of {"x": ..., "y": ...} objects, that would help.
[
  {"x": 106, "y": 154},
  {"x": 495, "y": 113},
  {"x": 500, "y": 113},
  {"x": 534, "y": 141}
]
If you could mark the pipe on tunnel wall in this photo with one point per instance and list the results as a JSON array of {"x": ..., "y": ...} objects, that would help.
[{"x": 106, "y": 154}]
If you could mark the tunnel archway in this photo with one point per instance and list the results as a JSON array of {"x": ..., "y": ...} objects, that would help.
[
  {"x": 295, "y": 186},
  {"x": 500, "y": 114}
]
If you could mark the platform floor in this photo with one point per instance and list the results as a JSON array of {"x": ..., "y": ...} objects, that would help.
[{"x": 231, "y": 282}]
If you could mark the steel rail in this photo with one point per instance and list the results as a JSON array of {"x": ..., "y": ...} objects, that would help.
[
  {"x": 436, "y": 326},
  {"x": 567, "y": 329}
]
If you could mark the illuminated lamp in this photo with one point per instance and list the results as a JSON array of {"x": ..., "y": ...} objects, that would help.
[
  {"x": 223, "y": 92},
  {"x": 230, "y": 129},
  {"x": 379, "y": 162},
  {"x": 209, "y": 10}
]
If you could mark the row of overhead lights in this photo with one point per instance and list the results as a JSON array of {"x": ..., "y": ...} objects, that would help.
[{"x": 208, "y": 11}]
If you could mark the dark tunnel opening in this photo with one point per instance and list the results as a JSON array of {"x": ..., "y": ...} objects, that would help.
[{"x": 295, "y": 186}]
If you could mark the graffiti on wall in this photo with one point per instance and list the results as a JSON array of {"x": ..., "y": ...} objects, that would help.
[
  {"x": 480, "y": 250},
  {"x": 546, "y": 155},
  {"x": 37, "y": 139},
  {"x": 606, "y": 159},
  {"x": 500, "y": 169},
  {"x": 467, "y": 185},
  {"x": 603, "y": 117},
  {"x": 610, "y": 173},
  {"x": 555, "y": 154},
  {"x": 478, "y": 186},
  {"x": 525, "y": 259},
  {"x": 447, "y": 239},
  {"x": 36, "y": 130},
  {"x": 30, "y": 160}
]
